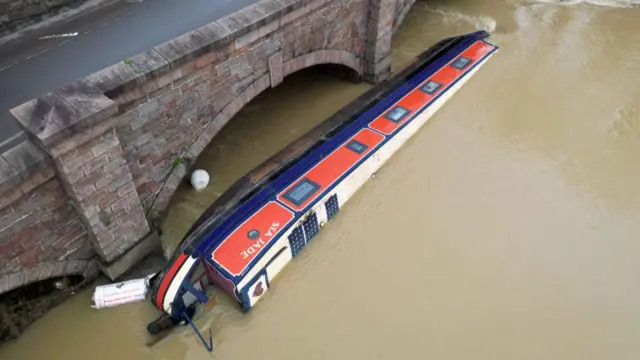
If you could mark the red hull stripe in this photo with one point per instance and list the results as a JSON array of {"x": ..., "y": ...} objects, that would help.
[
  {"x": 250, "y": 239},
  {"x": 168, "y": 278},
  {"x": 417, "y": 99}
]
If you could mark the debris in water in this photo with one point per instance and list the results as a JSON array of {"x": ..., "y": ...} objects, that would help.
[{"x": 120, "y": 293}]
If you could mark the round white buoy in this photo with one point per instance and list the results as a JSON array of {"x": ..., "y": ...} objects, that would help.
[{"x": 199, "y": 179}]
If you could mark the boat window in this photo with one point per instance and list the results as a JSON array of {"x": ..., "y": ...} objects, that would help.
[
  {"x": 461, "y": 62},
  {"x": 301, "y": 192},
  {"x": 356, "y": 146},
  {"x": 397, "y": 114},
  {"x": 431, "y": 87}
]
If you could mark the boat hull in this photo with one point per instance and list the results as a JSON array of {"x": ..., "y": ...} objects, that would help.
[{"x": 247, "y": 280}]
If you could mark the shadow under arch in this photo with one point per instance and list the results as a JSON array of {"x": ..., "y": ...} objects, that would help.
[
  {"x": 33, "y": 291},
  {"x": 346, "y": 60},
  {"x": 47, "y": 270}
]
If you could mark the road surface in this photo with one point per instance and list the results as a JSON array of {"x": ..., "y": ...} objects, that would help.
[{"x": 36, "y": 65}]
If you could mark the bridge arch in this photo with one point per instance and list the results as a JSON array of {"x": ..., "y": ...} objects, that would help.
[
  {"x": 319, "y": 57},
  {"x": 112, "y": 139},
  {"x": 33, "y": 291},
  {"x": 48, "y": 270}
]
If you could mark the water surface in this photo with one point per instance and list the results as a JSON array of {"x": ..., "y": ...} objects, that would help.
[{"x": 505, "y": 229}]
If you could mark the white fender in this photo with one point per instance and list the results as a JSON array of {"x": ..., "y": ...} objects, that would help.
[{"x": 199, "y": 179}]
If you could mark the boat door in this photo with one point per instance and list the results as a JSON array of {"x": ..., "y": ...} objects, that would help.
[{"x": 255, "y": 290}]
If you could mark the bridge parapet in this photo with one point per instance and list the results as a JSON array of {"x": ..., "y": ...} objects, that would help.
[{"x": 115, "y": 145}]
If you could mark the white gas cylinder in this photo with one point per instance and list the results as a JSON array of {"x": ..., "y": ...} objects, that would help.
[{"x": 120, "y": 293}]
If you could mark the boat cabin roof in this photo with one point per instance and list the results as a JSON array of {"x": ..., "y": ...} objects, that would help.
[{"x": 247, "y": 232}]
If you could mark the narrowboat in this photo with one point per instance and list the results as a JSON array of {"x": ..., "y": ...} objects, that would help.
[{"x": 244, "y": 240}]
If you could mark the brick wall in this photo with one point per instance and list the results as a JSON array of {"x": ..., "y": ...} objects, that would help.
[
  {"x": 41, "y": 235},
  {"x": 114, "y": 146},
  {"x": 179, "y": 113}
]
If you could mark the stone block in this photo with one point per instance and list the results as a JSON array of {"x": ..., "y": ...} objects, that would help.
[
  {"x": 91, "y": 179},
  {"x": 130, "y": 73},
  {"x": 12, "y": 248},
  {"x": 217, "y": 32},
  {"x": 276, "y": 71},
  {"x": 16, "y": 280},
  {"x": 31, "y": 274},
  {"x": 4, "y": 284},
  {"x": 46, "y": 271},
  {"x": 37, "y": 179},
  {"x": 183, "y": 48},
  {"x": 26, "y": 158},
  {"x": 119, "y": 267},
  {"x": 116, "y": 163},
  {"x": 29, "y": 258},
  {"x": 121, "y": 181},
  {"x": 125, "y": 201},
  {"x": 8, "y": 216},
  {"x": 255, "y": 18},
  {"x": 157, "y": 83},
  {"x": 9, "y": 197},
  {"x": 46, "y": 117},
  {"x": 91, "y": 271},
  {"x": 110, "y": 143},
  {"x": 58, "y": 269},
  {"x": 11, "y": 267},
  {"x": 296, "y": 12},
  {"x": 238, "y": 23},
  {"x": 54, "y": 116},
  {"x": 271, "y": 10},
  {"x": 9, "y": 178},
  {"x": 170, "y": 98},
  {"x": 88, "y": 101},
  {"x": 75, "y": 140},
  {"x": 95, "y": 163}
]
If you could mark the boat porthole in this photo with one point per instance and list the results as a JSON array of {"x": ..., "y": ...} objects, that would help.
[{"x": 253, "y": 234}]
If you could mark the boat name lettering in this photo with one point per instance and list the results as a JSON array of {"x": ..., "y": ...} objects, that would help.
[
  {"x": 273, "y": 228},
  {"x": 256, "y": 246}
]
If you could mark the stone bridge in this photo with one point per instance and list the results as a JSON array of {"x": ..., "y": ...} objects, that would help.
[{"x": 103, "y": 155}]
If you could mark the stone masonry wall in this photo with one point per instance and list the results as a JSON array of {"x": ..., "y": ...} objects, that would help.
[
  {"x": 401, "y": 10},
  {"x": 178, "y": 114},
  {"x": 41, "y": 235},
  {"x": 113, "y": 147}
]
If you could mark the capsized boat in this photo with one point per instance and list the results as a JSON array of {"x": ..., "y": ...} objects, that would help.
[{"x": 244, "y": 240}]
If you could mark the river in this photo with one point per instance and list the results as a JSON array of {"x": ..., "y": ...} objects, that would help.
[{"x": 507, "y": 228}]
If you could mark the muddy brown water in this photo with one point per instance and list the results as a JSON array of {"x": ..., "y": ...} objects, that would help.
[{"x": 507, "y": 228}]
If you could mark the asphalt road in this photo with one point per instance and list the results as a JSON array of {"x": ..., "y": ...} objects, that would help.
[{"x": 35, "y": 65}]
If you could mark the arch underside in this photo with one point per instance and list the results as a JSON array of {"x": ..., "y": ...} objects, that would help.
[
  {"x": 46, "y": 270},
  {"x": 319, "y": 57}
]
